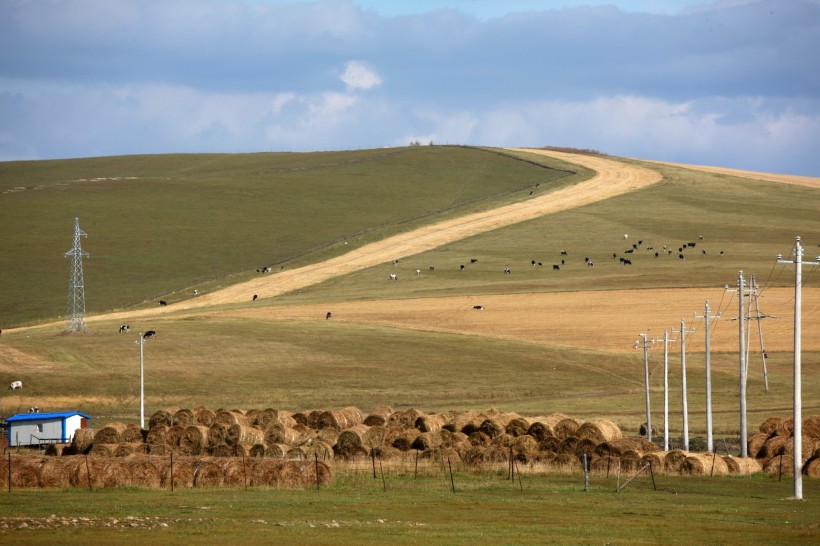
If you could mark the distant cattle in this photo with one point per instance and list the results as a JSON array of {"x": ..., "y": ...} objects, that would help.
[
  {"x": 533, "y": 262},
  {"x": 681, "y": 257},
  {"x": 392, "y": 277},
  {"x": 395, "y": 262},
  {"x": 432, "y": 268},
  {"x": 627, "y": 262},
  {"x": 586, "y": 259},
  {"x": 563, "y": 253},
  {"x": 722, "y": 253},
  {"x": 196, "y": 292},
  {"x": 540, "y": 264},
  {"x": 656, "y": 254},
  {"x": 691, "y": 245},
  {"x": 14, "y": 385},
  {"x": 149, "y": 333},
  {"x": 473, "y": 260},
  {"x": 507, "y": 270},
  {"x": 34, "y": 409},
  {"x": 329, "y": 315},
  {"x": 630, "y": 251},
  {"x": 556, "y": 267},
  {"x": 703, "y": 252},
  {"x": 124, "y": 329},
  {"x": 590, "y": 264},
  {"x": 461, "y": 267},
  {"x": 478, "y": 307},
  {"x": 254, "y": 297},
  {"x": 163, "y": 303},
  {"x": 263, "y": 270},
  {"x": 418, "y": 272}
]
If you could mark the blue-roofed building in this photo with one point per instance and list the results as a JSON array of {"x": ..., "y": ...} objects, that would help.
[{"x": 27, "y": 429}]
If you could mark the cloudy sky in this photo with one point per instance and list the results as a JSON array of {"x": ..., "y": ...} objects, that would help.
[{"x": 731, "y": 82}]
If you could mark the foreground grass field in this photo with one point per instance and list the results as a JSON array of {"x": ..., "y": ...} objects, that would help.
[{"x": 486, "y": 508}]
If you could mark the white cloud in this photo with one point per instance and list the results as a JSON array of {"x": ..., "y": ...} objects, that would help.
[{"x": 358, "y": 75}]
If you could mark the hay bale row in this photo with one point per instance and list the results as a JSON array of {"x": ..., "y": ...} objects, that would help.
[{"x": 155, "y": 472}]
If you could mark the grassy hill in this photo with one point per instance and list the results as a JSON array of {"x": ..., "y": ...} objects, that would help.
[
  {"x": 163, "y": 224},
  {"x": 202, "y": 221}
]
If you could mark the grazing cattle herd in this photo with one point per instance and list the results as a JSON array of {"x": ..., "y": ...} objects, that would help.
[
  {"x": 14, "y": 385},
  {"x": 635, "y": 251}
]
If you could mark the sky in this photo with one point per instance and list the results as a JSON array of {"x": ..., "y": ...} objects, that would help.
[{"x": 732, "y": 83}]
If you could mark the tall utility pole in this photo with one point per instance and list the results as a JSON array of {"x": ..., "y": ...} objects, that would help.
[
  {"x": 759, "y": 317},
  {"x": 798, "y": 395},
  {"x": 644, "y": 344},
  {"x": 75, "y": 310},
  {"x": 683, "y": 333},
  {"x": 741, "y": 319},
  {"x": 666, "y": 341},
  {"x": 706, "y": 317}
]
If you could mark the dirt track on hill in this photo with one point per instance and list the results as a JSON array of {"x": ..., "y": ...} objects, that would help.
[{"x": 613, "y": 178}]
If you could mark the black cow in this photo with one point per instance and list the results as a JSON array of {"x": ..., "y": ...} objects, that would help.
[
  {"x": 478, "y": 307},
  {"x": 556, "y": 267},
  {"x": 473, "y": 260},
  {"x": 329, "y": 315},
  {"x": 461, "y": 267},
  {"x": 627, "y": 262},
  {"x": 254, "y": 297},
  {"x": 163, "y": 303},
  {"x": 149, "y": 333},
  {"x": 681, "y": 257},
  {"x": 124, "y": 329}
]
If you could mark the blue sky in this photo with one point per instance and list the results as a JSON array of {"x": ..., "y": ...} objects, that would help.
[{"x": 732, "y": 83}]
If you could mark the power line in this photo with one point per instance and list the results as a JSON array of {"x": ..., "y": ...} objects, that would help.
[{"x": 75, "y": 309}]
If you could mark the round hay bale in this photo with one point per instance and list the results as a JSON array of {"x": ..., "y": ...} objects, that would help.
[
  {"x": 378, "y": 417},
  {"x": 599, "y": 431},
  {"x": 264, "y": 418},
  {"x": 258, "y": 451},
  {"x": 552, "y": 419},
  {"x": 631, "y": 460},
  {"x": 704, "y": 464},
  {"x": 277, "y": 433},
  {"x": 404, "y": 440},
  {"x": 754, "y": 445},
  {"x": 812, "y": 468},
  {"x": 236, "y": 471},
  {"x": 193, "y": 440},
  {"x": 774, "y": 446},
  {"x": 491, "y": 428},
  {"x": 769, "y": 426},
  {"x": 82, "y": 441},
  {"x": 568, "y": 445},
  {"x": 329, "y": 435},
  {"x": 781, "y": 464},
  {"x": 785, "y": 427},
  {"x": 160, "y": 417},
  {"x": 503, "y": 440},
  {"x": 453, "y": 439},
  {"x": 125, "y": 449},
  {"x": 116, "y": 473},
  {"x": 742, "y": 466},
  {"x": 216, "y": 435},
  {"x": 53, "y": 473},
  {"x": 265, "y": 472},
  {"x": 656, "y": 459},
  {"x": 103, "y": 450},
  {"x": 159, "y": 449},
  {"x": 156, "y": 435},
  {"x": 427, "y": 440},
  {"x": 387, "y": 453},
  {"x": 378, "y": 436},
  {"x": 144, "y": 471},
  {"x": 184, "y": 418},
  {"x": 110, "y": 434},
  {"x": 526, "y": 446},
  {"x": 566, "y": 462},
  {"x": 183, "y": 472},
  {"x": 207, "y": 472},
  {"x": 811, "y": 427},
  {"x": 585, "y": 446},
  {"x": 550, "y": 444},
  {"x": 459, "y": 421},
  {"x": 173, "y": 434},
  {"x": 431, "y": 422},
  {"x": 340, "y": 419},
  {"x": 604, "y": 465},
  {"x": 241, "y": 450},
  {"x": 495, "y": 454},
  {"x": 518, "y": 426},
  {"x": 203, "y": 416},
  {"x": 674, "y": 460},
  {"x": 298, "y": 453},
  {"x": 350, "y": 443},
  {"x": 404, "y": 418},
  {"x": 227, "y": 418},
  {"x": 566, "y": 428},
  {"x": 134, "y": 434},
  {"x": 251, "y": 414},
  {"x": 320, "y": 450},
  {"x": 83, "y": 470},
  {"x": 222, "y": 450},
  {"x": 478, "y": 438},
  {"x": 276, "y": 451},
  {"x": 473, "y": 456},
  {"x": 540, "y": 430},
  {"x": 243, "y": 434}
]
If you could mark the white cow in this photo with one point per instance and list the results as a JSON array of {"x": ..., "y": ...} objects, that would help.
[
  {"x": 393, "y": 277},
  {"x": 14, "y": 385}
]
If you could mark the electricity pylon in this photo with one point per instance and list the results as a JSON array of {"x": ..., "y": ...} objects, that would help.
[{"x": 75, "y": 310}]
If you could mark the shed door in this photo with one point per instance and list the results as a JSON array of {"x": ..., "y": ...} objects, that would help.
[{"x": 83, "y": 422}]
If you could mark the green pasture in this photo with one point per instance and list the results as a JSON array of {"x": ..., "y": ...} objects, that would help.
[
  {"x": 486, "y": 508},
  {"x": 159, "y": 226},
  {"x": 301, "y": 365}
]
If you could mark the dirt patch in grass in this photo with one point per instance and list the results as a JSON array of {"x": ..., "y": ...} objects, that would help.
[{"x": 808, "y": 181}]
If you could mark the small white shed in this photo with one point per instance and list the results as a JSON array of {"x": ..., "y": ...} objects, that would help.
[{"x": 26, "y": 429}]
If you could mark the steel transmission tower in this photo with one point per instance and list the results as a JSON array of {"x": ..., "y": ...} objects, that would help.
[{"x": 75, "y": 310}]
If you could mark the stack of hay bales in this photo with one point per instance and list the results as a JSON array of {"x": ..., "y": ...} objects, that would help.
[{"x": 773, "y": 446}]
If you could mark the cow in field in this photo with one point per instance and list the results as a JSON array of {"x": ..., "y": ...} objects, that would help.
[
  {"x": 163, "y": 303},
  {"x": 254, "y": 297},
  {"x": 14, "y": 385},
  {"x": 124, "y": 329},
  {"x": 556, "y": 267},
  {"x": 329, "y": 315},
  {"x": 393, "y": 277},
  {"x": 149, "y": 333},
  {"x": 478, "y": 307}
]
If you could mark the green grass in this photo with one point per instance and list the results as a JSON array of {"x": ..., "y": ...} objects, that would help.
[
  {"x": 175, "y": 222},
  {"x": 486, "y": 508}
]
